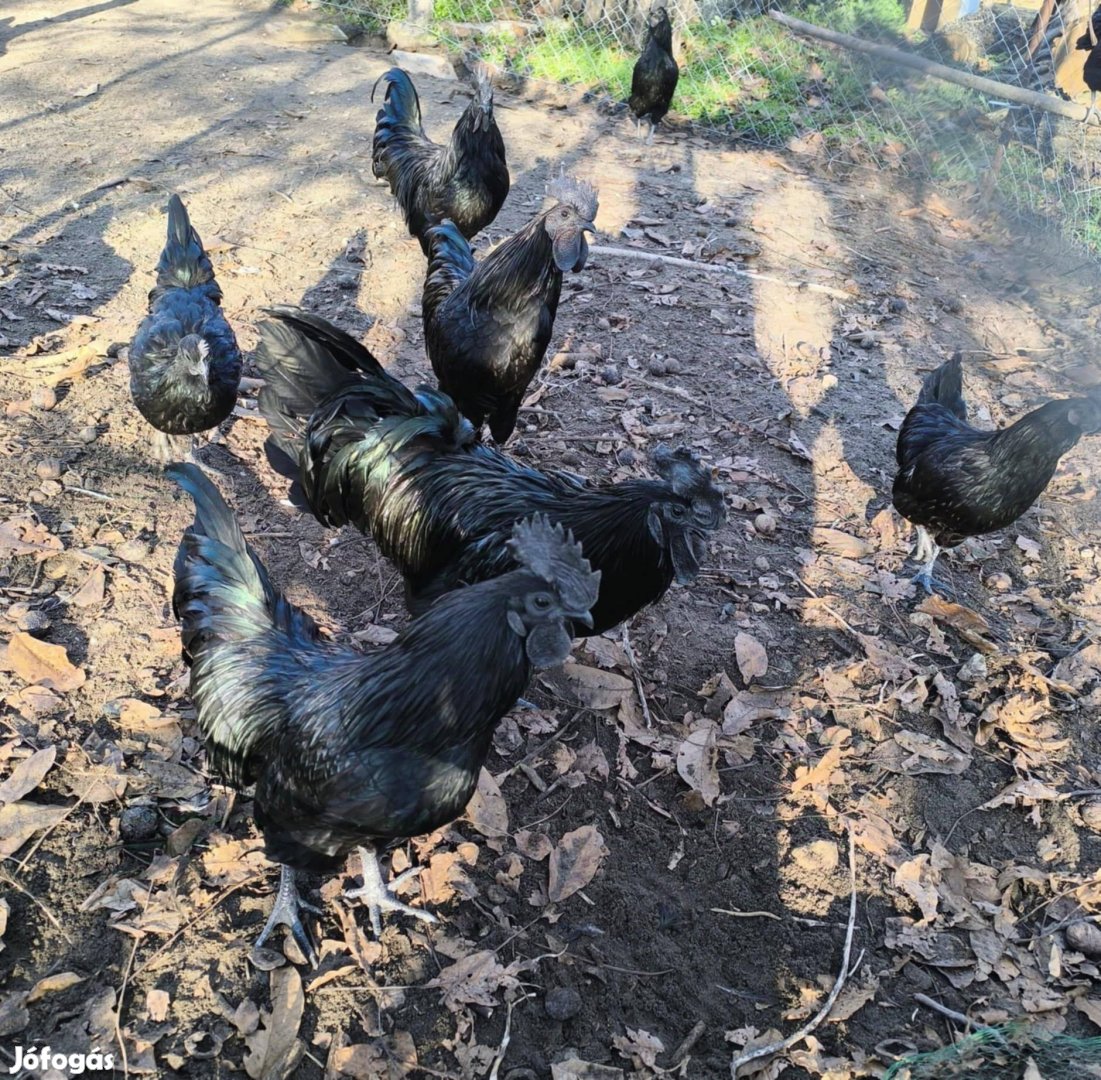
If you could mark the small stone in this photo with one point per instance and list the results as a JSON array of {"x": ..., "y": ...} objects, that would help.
[
  {"x": 133, "y": 551},
  {"x": 48, "y": 469},
  {"x": 137, "y": 823},
  {"x": 829, "y": 382},
  {"x": 562, "y": 1003},
  {"x": 896, "y": 305},
  {"x": 43, "y": 397},
  {"x": 115, "y": 348},
  {"x": 34, "y": 622},
  {"x": 765, "y": 524},
  {"x": 999, "y": 581},
  {"x": 762, "y": 564},
  {"x": 974, "y": 669},
  {"x": 673, "y": 366},
  {"x": 656, "y": 367},
  {"x": 610, "y": 375},
  {"x": 50, "y": 488},
  {"x": 627, "y": 456},
  {"x": 88, "y": 435},
  {"x": 347, "y": 281}
]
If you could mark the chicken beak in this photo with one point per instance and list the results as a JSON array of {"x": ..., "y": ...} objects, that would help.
[
  {"x": 583, "y": 617},
  {"x": 589, "y": 227}
]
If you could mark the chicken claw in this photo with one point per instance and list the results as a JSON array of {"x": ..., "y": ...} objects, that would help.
[
  {"x": 286, "y": 913},
  {"x": 378, "y": 897}
]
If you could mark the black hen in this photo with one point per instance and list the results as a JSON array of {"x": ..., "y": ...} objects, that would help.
[
  {"x": 348, "y": 749},
  {"x": 955, "y": 481},
  {"x": 1091, "y": 70},
  {"x": 654, "y": 80},
  {"x": 185, "y": 366},
  {"x": 407, "y": 469},
  {"x": 466, "y": 180},
  {"x": 487, "y": 325}
]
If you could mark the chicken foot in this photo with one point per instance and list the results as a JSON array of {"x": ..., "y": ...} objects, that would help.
[
  {"x": 286, "y": 912},
  {"x": 1092, "y": 110},
  {"x": 170, "y": 448},
  {"x": 378, "y": 897},
  {"x": 926, "y": 551}
]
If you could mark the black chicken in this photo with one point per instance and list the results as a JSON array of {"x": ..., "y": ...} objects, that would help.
[
  {"x": 185, "y": 366},
  {"x": 955, "y": 481},
  {"x": 408, "y": 469},
  {"x": 1091, "y": 71},
  {"x": 487, "y": 325},
  {"x": 348, "y": 749},
  {"x": 466, "y": 181},
  {"x": 654, "y": 80}
]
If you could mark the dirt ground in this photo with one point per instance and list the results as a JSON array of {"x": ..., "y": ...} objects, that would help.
[{"x": 798, "y": 699}]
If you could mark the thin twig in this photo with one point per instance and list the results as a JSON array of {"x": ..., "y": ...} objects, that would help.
[
  {"x": 714, "y": 268},
  {"x": 505, "y": 1038},
  {"x": 779, "y": 1047},
  {"x": 8, "y": 880},
  {"x": 42, "y": 839},
  {"x": 747, "y": 914},
  {"x": 686, "y": 1045},
  {"x": 936, "y": 1006},
  {"x": 125, "y": 983},
  {"x": 638, "y": 677}
]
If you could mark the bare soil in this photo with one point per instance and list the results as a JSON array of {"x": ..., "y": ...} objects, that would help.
[{"x": 722, "y": 895}]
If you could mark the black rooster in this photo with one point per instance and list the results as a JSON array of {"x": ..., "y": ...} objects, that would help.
[
  {"x": 487, "y": 325},
  {"x": 348, "y": 749},
  {"x": 408, "y": 470},
  {"x": 654, "y": 80},
  {"x": 1091, "y": 71},
  {"x": 185, "y": 366},
  {"x": 955, "y": 481},
  {"x": 466, "y": 181}
]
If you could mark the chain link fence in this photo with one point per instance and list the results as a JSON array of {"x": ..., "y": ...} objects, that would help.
[{"x": 744, "y": 74}]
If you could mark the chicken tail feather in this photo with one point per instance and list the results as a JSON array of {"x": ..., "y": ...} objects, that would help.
[
  {"x": 183, "y": 263},
  {"x": 945, "y": 387},
  {"x": 237, "y": 629}
]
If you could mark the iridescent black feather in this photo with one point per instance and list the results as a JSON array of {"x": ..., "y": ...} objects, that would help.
[
  {"x": 655, "y": 76},
  {"x": 958, "y": 481},
  {"x": 487, "y": 324},
  {"x": 407, "y": 470},
  {"x": 185, "y": 366},
  {"x": 348, "y": 747},
  {"x": 467, "y": 180}
]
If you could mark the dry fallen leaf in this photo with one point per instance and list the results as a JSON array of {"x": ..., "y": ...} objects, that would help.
[
  {"x": 19, "y": 821},
  {"x": 53, "y": 984},
  {"x": 27, "y": 775},
  {"x": 25, "y": 536},
  {"x": 35, "y": 662},
  {"x": 751, "y": 656},
  {"x": 275, "y": 1049},
  {"x": 476, "y": 980},
  {"x": 596, "y": 688},
  {"x": 389, "y": 1058},
  {"x": 574, "y": 862},
  {"x": 93, "y": 590},
  {"x": 576, "y": 1069},
  {"x": 639, "y": 1047},
  {"x": 156, "y": 1004},
  {"x": 697, "y": 762},
  {"x": 487, "y": 810}
]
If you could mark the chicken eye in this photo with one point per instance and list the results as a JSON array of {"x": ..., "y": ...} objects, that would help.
[
  {"x": 678, "y": 511},
  {"x": 541, "y": 601}
]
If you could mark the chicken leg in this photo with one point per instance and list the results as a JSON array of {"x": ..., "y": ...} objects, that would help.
[
  {"x": 169, "y": 448},
  {"x": 926, "y": 551},
  {"x": 286, "y": 913},
  {"x": 1092, "y": 110},
  {"x": 379, "y": 897}
]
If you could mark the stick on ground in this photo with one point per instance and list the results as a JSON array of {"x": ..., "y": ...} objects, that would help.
[
  {"x": 778, "y": 1048},
  {"x": 713, "y": 268}
]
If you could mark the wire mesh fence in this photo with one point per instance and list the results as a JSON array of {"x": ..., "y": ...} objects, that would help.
[{"x": 745, "y": 74}]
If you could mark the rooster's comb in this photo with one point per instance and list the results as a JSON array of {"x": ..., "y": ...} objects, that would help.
[
  {"x": 552, "y": 553},
  {"x": 483, "y": 82},
  {"x": 575, "y": 193}
]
